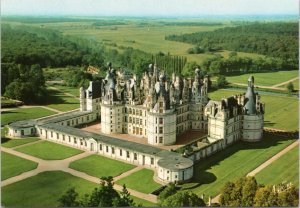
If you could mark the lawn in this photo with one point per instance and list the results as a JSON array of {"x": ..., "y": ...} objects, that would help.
[
  {"x": 9, "y": 143},
  {"x": 98, "y": 166},
  {"x": 35, "y": 191},
  {"x": 12, "y": 165},
  {"x": 266, "y": 78},
  {"x": 236, "y": 161},
  {"x": 43, "y": 190},
  {"x": 72, "y": 90},
  {"x": 141, "y": 181},
  {"x": 59, "y": 101},
  {"x": 143, "y": 202},
  {"x": 24, "y": 114},
  {"x": 295, "y": 83},
  {"x": 284, "y": 169},
  {"x": 49, "y": 151},
  {"x": 280, "y": 112}
]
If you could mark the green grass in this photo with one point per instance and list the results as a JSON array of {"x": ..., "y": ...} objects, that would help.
[
  {"x": 12, "y": 165},
  {"x": 43, "y": 190},
  {"x": 49, "y": 151},
  {"x": 9, "y": 143},
  {"x": 265, "y": 79},
  {"x": 236, "y": 161},
  {"x": 141, "y": 181},
  {"x": 98, "y": 166},
  {"x": 23, "y": 114},
  {"x": 143, "y": 202},
  {"x": 295, "y": 83},
  {"x": 72, "y": 90},
  {"x": 284, "y": 169},
  {"x": 59, "y": 101},
  {"x": 280, "y": 112}
]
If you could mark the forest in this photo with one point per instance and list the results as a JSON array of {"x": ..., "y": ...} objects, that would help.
[
  {"x": 26, "y": 49},
  {"x": 278, "y": 40}
]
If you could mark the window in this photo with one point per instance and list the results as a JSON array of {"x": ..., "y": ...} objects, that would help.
[
  {"x": 72, "y": 122},
  {"x": 133, "y": 111},
  {"x": 81, "y": 142},
  {"x": 121, "y": 152},
  {"x": 51, "y": 134},
  {"x": 161, "y": 130},
  {"x": 161, "y": 120},
  {"x": 85, "y": 144},
  {"x": 57, "y": 136},
  {"x": 141, "y": 121},
  {"x": 106, "y": 148},
  {"x": 75, "y": 141},
  {"x": 87, "y": 118},
  {"x": 63, "y": 137},
  {"x": 141, "y": 131},
  {"x": 69, "y": 139},
  {"x": 127, "y": 154},
  {"x": 135, "y": 156},
  {"x": 152, "y": 161},
  {"x": 130, "y": 119},
  {"x": 133, "y": 120},
  {"x": 161, "y": 104},
  {"x": 22, "y": 132},
  {"x": 130, "y": 110},
  {"x": 112, "y": 150},
  {"x": 68, "y": 123},
  {"x": 100, "y": 146},
  {"x": 168, "y": 171},
  {"x": 141, "y": 113},
  {"x": 160, "y": 140}
]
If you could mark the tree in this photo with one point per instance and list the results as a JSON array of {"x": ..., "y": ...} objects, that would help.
[
  {"x": 248, "y": 191},
  {"x": 266, "y": 197},
  {"x": 290, "y": 87},
  {"x": 124, "y": 200},
  {"x": 168, "y": 191},
  {"x": 69, "y": 199},
  {"x": 183, "y": 199},
  {"x": 105, "y": 195},
  {"x": 221, "y": 81},
  {"x": 289, "y": 197},
  {"x": 189, "y": 69}
]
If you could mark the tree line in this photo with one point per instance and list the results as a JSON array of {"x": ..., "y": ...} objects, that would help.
[
  {"x": 278, "y": 40},
  {"x": 246, "y": 192}
]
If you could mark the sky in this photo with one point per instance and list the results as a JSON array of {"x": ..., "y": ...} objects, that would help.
[{"x": 149, "y": 7}]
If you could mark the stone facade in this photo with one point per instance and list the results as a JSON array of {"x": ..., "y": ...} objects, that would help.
[{"x": 154, "y": 107}]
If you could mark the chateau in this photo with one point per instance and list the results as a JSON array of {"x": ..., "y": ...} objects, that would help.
[{"x": 156, "y": 108}]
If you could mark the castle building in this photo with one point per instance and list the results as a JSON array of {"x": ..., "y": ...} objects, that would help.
[{"x": 156, "y": 108}]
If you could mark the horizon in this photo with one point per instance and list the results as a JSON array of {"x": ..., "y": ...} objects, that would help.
[{"x": 153, "y": 8}]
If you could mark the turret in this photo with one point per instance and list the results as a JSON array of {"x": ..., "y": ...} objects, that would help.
[{"x": 82, "y": 99}]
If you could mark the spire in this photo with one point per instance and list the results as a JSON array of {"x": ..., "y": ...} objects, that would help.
[{"x": 250, "y": 101}]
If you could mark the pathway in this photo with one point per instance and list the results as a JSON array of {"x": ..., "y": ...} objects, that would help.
[
  {"x": 284, "y": 83},
  {"x": 31, "y": 106},
  {"x": 63, "y": 165},
  {"x": 261, "y": 86},
  {"x": 264, "y": 165}
]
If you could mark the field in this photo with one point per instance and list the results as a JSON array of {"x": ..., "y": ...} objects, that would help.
[
  {"x": 49, "y": 151},
  {"x": 265, "y": 79},
  {"x": 236, "y": 161},
  {"x": 284, "y": 169},
  {"x": 35, "y": 191},
  {"x": 148, "y": 36},
  {"x": 280, "y": 112},
  {"x": 9, "y": 143},
  {"x": 99, "y": 166},
  {"x": 23, "y": 114},
  {"x": 59, "y": 101},
  {"x": 141, "y": 181},
  {"x": 12, "y": 165}
]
